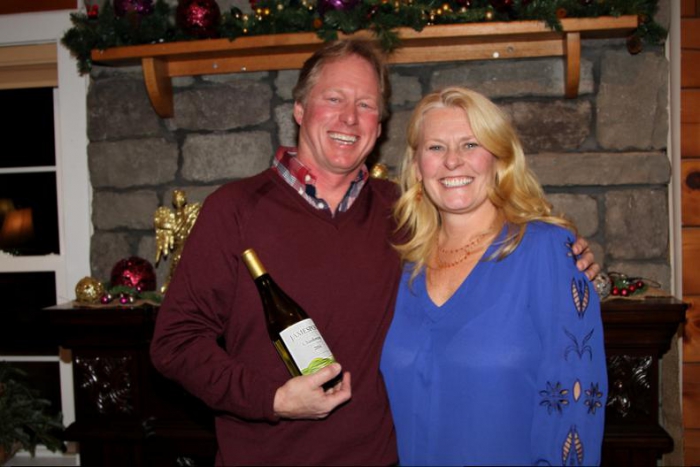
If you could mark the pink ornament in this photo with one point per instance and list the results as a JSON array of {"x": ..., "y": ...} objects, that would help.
[
  {"x": 199, "y": 18},
  {"x": 134, "y": 272},
  {"x": 139, "y": 7}
]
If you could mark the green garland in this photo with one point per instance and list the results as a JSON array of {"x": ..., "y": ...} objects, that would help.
[
  {"x": 117, "y": 291},
  {"x": 106, "y": 30}
]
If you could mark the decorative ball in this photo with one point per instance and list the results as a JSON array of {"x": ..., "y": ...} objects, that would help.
[
  {"x": 134, "y": 272},
  {"x": 88, "y": 290},
  {"x": 139, "y": 7},
  {"x": 337, "y": 5},
  {"x": 199, "y": 18},
  {"x": 380, "y": 171},
  {"x": 602, "y": 284},
  {"x": 93, "y": 11}
]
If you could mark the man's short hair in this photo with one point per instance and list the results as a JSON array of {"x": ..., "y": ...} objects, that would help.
[{"x": 332, "y": 51}]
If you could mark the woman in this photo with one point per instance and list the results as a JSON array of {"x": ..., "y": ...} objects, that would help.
[{"x": 495, "y": 353}]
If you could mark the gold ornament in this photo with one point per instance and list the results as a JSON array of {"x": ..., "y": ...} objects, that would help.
[
  {"x": 489, "y": 15},
  {"x": 172, "y": 229},
  {"x": 89, "y": 290},
  {"x": 379, "y": 170}
]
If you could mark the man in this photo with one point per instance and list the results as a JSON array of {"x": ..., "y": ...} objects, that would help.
[{"x": 323, "y": 230}]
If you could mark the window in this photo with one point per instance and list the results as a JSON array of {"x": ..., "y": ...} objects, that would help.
[
  {"x": 28, "y": 190},
  {"x": 37, "y": 231}
]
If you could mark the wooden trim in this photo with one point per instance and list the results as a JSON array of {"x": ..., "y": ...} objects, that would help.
[
  {"x": 31, "y": 6},
  {"x": 690, "y": 105},
  {"x": 690, "y": 140},
  {"x": 690, "y": 33},
  {"x": 691, "y": 249},
  {"x": 690, "y": 192},
  {"x": 443, "y": 43},
  {"x": 28, "y": 66}
]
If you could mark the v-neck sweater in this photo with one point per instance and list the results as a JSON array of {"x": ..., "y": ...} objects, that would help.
[{"x": 341, "y": 269}]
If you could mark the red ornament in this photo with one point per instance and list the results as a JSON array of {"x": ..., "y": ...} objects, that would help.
[
  {"x": 199, "y": 18},
  {"x": 615, "y": 291},
  {"x": 134, "y": 272},
  {"x": 93, "y": 11},
  {"x": 139, "y": 7},
  {"x": 624, "y": 292}
]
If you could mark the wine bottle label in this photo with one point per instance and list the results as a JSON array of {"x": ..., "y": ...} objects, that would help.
[{"x": 307, "y": 347}]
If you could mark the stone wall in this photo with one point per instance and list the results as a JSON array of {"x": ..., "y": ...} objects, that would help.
[{"x": 601, "y": 157}]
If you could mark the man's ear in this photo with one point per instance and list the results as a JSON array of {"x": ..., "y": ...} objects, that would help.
[{"x": 298, "y": 112}]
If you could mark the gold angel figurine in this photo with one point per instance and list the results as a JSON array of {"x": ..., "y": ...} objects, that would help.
[{"x": 172, "y": 229}]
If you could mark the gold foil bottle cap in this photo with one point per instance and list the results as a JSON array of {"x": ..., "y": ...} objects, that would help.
[{"x": 251, "y": 260}]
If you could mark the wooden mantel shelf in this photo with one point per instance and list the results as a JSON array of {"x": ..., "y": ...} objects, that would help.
[{"x": 443, "y": 43}]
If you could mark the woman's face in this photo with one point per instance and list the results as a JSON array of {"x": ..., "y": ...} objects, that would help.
[{"x": 456, "y": 171}]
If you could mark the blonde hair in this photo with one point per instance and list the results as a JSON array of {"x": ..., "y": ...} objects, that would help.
[{"x": 516, "y": 194}]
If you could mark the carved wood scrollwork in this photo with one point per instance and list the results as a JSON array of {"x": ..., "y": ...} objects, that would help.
[
  {"x": 630, "y": 390},
  {"x": 106, "y": 383}
]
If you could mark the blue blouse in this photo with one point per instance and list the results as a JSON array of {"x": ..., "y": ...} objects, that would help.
[{"x": 509, "y": 371}]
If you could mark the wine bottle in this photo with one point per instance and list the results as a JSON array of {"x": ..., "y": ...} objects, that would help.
[{"x": 295, "y": 336}]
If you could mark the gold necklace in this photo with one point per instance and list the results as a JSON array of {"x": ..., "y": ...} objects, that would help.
[{"x": 467, "y": 250}]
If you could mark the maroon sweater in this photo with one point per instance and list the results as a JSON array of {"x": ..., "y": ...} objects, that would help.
[{"x": 341, "y": 270}]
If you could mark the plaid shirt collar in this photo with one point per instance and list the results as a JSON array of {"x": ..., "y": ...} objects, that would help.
[{"x": 299, "y": 177}]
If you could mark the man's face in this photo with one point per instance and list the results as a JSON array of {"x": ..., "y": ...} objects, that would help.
[{"x": 339, "y": 122}]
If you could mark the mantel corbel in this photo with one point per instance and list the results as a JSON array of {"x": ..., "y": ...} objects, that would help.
[{"x": 442, "y": 43}]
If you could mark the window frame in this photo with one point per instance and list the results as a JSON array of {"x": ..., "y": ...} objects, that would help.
[{"x": 74, "y": 192}]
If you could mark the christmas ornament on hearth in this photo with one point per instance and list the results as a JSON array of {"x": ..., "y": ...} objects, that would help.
[
  {"x": 199, "y": 18},
  {"x": 135, "y": 273},
  {"x": 602, "y": 284},
  {"x": 324, "y": 6},
  {"x": 89, "y": 290},
  {"x": 136, "y": 7}
]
